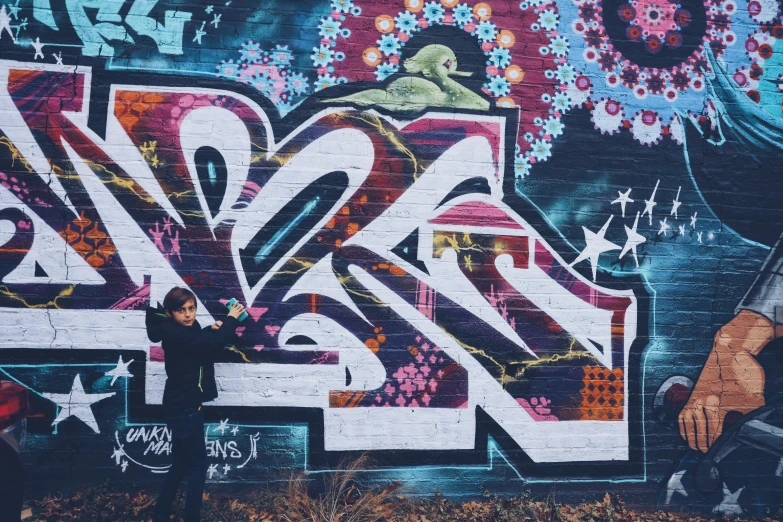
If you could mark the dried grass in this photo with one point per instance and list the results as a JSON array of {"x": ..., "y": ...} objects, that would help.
[
  {"x": 339, "y": 497},
  {"x": 342, "y": 498}
]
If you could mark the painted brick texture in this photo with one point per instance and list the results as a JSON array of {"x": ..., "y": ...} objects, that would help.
[{"x": 495, "y": 245}]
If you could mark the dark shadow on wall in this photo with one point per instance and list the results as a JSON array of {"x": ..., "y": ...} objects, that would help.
[{"x": 697, "y": 286}]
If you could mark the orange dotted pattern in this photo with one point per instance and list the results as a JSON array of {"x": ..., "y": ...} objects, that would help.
[
  {"x": 130, "y": 105},
  {"x": 92, "y": 243},
  {"x": 603, "y": 394},
  {"x": 374, "y": 343}
]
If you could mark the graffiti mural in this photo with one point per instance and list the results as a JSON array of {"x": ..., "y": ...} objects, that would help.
[{"x": 466, "y": 234}]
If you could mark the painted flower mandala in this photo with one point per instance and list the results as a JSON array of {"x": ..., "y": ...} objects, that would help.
[
  {"x": 385, "y": 70},
  {"x": 329, "y": 28},
  {"x": 389, "y": 44},
  {"x": 645, "y": 55},
  {"x": 282, "y": 55},
  {"x": 549, "y": 19},
  {"x": 332, "y": 29},
  {"x": 324, "y": 81},
  {"x": 764, "y": 49},
  {"x": 655, "y": 22},
  {"x": 342, "y": 6},
  {"x": 433, "y": 12},
  {"x": 407, "y": 22},
  {"x": 268, "y": 72},
  {"x": 514, "y": 78},
  {"x": 322, "y": 56},
  {"x": 297, "y": 83},
  {"x": 498, "y": 86},
  {"x": 500, "y": 57},
  {"x": 486, "y": 31},
  {"x": 463, "y": 14},
  {"x": 251, "y": 52}
]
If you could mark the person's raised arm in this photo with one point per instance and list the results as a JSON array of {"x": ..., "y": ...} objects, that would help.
[{"x": 209, "y": 339}]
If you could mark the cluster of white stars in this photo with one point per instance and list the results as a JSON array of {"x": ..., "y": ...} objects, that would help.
[
  {"x": 597, "y": 244},
  {"x": 216, "y": 19}
]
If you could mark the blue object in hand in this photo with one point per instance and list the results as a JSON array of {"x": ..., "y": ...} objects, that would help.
[{"x": 230, "y": 304}]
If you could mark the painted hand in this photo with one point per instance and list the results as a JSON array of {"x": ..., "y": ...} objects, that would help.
[
  {"x": 731, "y": 380},
  {"x": 236, "y": 310},
  {"x": 217, "y": 325}
]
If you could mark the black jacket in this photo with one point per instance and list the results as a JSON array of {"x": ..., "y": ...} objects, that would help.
[{"x": 189, "y": 353}]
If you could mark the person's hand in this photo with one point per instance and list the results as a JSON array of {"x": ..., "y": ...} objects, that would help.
[
  {"x": 236, "y": 310},
  {"x": 217, "y": 325},
  {"x": 731, "y": 380}
]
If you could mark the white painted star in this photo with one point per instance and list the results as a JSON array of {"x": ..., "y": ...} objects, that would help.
[
  {"x": 5, "y": 23},
  {"x": 212, "y": 470},
  {"x": 199, "y": 33},
  {"x": 118, "y": 454},
  {"x": 676, "y": 204},
  {"x": 209, "y": 9},
  {"x": 681, "y": 229},
  {"x": 223, "y": 427},
  {"x": 665, "y": 227},
  {"x": 595, "y": 245},
  {"x": 77, "y": 404},
  {"x": 698, "y": 236},
  {"x": 634, "y": 240},
  {"x": 226, "y": 469},
  {"x": 15, "y": 10},
  {"x": 124, "y": 465},
  {"x": 21, "y": 26},
  {"x": 729, "y": 504},
  {"x": 693, "y": 219},
  {"x": 650, "y": 203},
  {"x": 675, "y": 486},
  {"x": 120, "y": 371},
  {"x": 58, "y": 57},
  {"x": 234, "y": 430},
  {"x": 38, "y": 46},
  {"x": 216, "y": 20},
  {"x": 623, "y": 199}
]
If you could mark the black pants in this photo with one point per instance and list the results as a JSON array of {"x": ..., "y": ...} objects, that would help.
[
  {"x": 11, "y": 483},
  {"x": 189, "y": 461}
]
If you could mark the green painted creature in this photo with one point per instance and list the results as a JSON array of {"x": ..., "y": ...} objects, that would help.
[{"x": 412, "y": 93}]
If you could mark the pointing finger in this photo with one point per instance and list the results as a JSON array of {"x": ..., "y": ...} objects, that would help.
[
  {"x": 690, "y": 430},
  {"x": 700, "y": 419},
  {"x": 681, "y": 423}
]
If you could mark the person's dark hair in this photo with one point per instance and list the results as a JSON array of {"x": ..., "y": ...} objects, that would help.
[{"x": 177, "y": 297}]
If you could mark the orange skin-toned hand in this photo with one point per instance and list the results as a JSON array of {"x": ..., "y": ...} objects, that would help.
[
  {"x": 731, "y": 380},
  {"x": 236, "y": 310}
]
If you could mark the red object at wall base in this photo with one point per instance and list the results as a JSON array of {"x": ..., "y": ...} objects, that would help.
[
  {"x": 13, "y": 428},
  {"x": 13, "y": 403}
]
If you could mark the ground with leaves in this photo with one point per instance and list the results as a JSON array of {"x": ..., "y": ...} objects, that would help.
[{"x": 345, "y": 503}]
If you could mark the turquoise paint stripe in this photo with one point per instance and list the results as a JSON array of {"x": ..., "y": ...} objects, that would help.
[{"x": 283, "y": 232}]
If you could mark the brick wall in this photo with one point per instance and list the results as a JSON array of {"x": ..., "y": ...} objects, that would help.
[{"x": 493, "y": 245}]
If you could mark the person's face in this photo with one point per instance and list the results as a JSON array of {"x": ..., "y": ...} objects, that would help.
[{"x": 185, "y": 314}]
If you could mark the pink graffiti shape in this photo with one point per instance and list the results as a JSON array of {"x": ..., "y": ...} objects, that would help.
[
  {"x": 255, "y": 312},
  {"x": 539, "y": 412},
  {"x": 157, "y": 236},
  {"x": 272, "y": 330}
]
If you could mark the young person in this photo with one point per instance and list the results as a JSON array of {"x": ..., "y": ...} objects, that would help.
[{"x": 189, "y": 353}]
